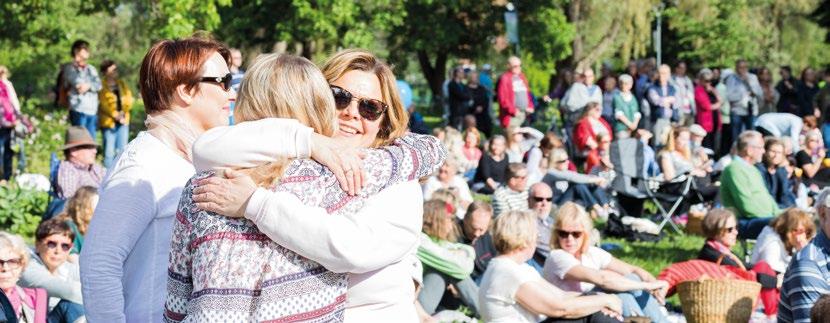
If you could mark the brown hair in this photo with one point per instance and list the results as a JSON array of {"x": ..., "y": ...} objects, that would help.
[
  {"x": 79, "y": 208},
  {"x": 789, "y": 221},
  {"x": 394, "y": 121},
  {"x": 170, "y": 63},
  {"x": 436, "y": 220},
  {"x": 479, "y": 205},
  {"x": 51, "y": 227},
  {"x": 715, "y": 222}
]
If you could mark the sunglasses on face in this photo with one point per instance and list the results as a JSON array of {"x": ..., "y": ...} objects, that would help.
[
  {"x": 224, "y": 82},
  {"x": 369, "y": 109},
  {"x": 53, "y": 245},
  {"x": 564, "y": 234},
  {"x": 540, "y": 199},
  {"x": 10, "y": 263}
]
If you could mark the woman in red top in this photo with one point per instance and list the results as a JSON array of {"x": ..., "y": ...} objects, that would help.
[
  {"x": 708, "y": 104},
  {"x": 588, "y": 127}
]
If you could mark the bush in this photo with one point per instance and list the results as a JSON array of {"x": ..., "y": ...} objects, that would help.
[{"x": 21, "y": 210}]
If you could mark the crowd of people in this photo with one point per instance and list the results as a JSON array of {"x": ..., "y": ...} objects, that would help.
[{"x": 265, "y": 194}]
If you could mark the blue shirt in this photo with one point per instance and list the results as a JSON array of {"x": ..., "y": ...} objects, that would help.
[{"x": 807, "y": 279}]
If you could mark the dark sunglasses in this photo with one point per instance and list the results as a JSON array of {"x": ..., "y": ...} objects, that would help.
[
  {"x": 540, "y": 199},
  {"x": 53, "y": 245},
  {"x": 564, "y": 234},
  {"x": 224, "y": 82},
  {"x": 11, "y": 263},
  {"x": 369, "y": 109}
]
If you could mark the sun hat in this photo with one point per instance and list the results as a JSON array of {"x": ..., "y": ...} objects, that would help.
[
  {"x": 78, "y": 137},
  {"x": 697, "y": 130}
]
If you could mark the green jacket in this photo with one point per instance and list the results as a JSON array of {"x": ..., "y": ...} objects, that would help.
[
  {"x": 742, "y": 188},
  {"x": 450, "y": 258}
]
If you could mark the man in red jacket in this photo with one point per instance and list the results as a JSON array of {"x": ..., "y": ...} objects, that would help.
[{"x": 515, "y": 101}]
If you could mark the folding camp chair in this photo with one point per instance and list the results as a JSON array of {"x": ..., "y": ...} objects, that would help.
[
  {"x": 56, "y": 203},
  {"x": 633, "y": 182}
]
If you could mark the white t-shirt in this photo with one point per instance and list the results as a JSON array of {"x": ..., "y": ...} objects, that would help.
[
  {"x": 770, "y": 248},
  {"x": 497, "y": 292},
  {"x": 560, "y": 262}
]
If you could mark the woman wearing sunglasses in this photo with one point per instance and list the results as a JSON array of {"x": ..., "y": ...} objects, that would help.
[
  {"x": 31, "y": 303},
  {"x": 575, "y": 265},
  {"x": 49, "y": 266},
  {"x": 375, "y": 243}
]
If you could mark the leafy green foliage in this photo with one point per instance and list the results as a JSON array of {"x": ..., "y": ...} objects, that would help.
[
  {"x": 545, "y": 33},
  {"x": 20, "y": 209}
]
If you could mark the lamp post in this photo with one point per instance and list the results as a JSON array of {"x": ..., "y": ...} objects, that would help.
[
  {"x": 511, "y": 23},
  {"x": 657, "y": 34}
]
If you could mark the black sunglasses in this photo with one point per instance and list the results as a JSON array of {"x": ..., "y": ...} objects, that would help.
[
  {"x": 224, "y": 82},
  {"x": 564, "y": 234},
  {"x": 540, "y": 199},
  {"x": 11, "y": 263},
  {"x": 53, "y": 245},
  {"x": 369, "y": 109}
]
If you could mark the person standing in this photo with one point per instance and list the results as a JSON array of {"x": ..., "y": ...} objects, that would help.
[
  {"x": 806, "y": 90},
  {"x": 515, "y": 101},
  {"x": 481, "y": 103},
  {"x": 237, "y": 73},
  {"x": 708, "y": 102},
  {"x": 743, "y": 92},
  {"x": 663, "y": 100},
  {"x": 685, "y": 94},
  {"x": 459, "y": 99},
  {"x": 788, "y": 100},
  {"x": 186, "y": 89},
  {"x": 114, "y": 113},
  {"x": 582, "y": 92},
  {"x": 10, "y": 108},
  {"x": 83, "y": 83},
  {"x": 769, "y": 101}
]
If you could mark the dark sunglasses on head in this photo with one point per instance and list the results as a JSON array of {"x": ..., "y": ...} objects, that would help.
[
  {"x": 53, "y": 245},
  {"x": 369, "y": 109},
  {"x": 540, "y": 199},
  {"x": 224, "y": 82},
  {"x": 564, "y": 234}
]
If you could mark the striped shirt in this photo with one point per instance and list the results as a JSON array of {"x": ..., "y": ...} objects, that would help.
[
  {"x": 505, "y": 199},
  {"x": 807, "y": 279}
]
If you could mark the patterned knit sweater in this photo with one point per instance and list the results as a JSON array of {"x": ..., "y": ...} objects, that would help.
[{"x": 225, "y": 270}]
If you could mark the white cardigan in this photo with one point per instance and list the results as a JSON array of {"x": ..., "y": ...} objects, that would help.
[{"x": 375, "y": 245}]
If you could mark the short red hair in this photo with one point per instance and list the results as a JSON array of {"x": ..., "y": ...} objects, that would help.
[{"x": 170, "y": 63}]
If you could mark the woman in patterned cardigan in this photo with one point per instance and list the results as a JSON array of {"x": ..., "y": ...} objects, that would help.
[{"x": 226, "y": 269}]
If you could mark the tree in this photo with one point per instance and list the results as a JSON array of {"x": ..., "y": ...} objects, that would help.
[
  {"x": 821, "y": 15},
  {"x": 436, "y": 30}
]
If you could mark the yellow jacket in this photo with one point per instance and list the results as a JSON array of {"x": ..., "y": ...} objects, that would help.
[{"x": 108, "y": 110}]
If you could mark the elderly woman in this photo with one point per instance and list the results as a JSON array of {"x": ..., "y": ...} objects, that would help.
[
  {"x": 626, "y": 111},
  {"x": 513, "y": 291},
  {"x": 721, "y": 230},
  {"x": 575, "y": 265},
  {"x": 446, "y": 262},
  {"x": 784, "y": 236},
  {"x": 334, "y": 232},
  {"x": 448, "y": 178},
  {"x": 49, "y": 266},
  {"x": 588, "y": 127},
  {"x": 29, "y": 304}
]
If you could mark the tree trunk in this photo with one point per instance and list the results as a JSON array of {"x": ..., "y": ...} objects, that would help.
[
  {"x": 308, "y": 49},
  {"x": 574, "y": 16},
  {"x": 434, "y": 74},
  {"x": 599, "y": 49}
]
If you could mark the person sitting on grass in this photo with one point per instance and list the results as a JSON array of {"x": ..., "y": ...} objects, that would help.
[
  {"x": 569, "y": 185},
  {"x": 78, "y": 214},
  {"x": 787, "y": 234},
  {"x": 575, "y": 266},
  {"x": 513, "y": 291},
  {"x": 492, "y": 169},
  {"x": 446, "y": 262},
  {"x": 49, "y": 266},
  {"x": 513, "y": 195},
  {"x": 448, "y": 178},
  {"x": 721, "y": 230}
]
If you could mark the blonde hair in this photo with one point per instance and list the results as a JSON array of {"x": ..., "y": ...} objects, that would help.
[
  {"x": 671, "y": 146},
  {"x": 437, "y": 220},
  {"x": 395, "y": 121},
  {"x": 514, "y": 230},
  {"x": 556, "y": 154},
  {"x": 16, "y": 244},
  {"x": 79, "y": 208},
  {"x": 571, "y": 212},
  {"x": 285, "y": 86}
]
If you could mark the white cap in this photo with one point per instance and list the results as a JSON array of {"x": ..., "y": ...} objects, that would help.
[{"x": 697, "y": 130}]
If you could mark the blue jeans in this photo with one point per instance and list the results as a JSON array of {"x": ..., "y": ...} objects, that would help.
[
  {"x": 88, "y": 121},
  {"x": 640, "y": 303},
  {"x": 66, "y": 312},
  {"x": 589, "y": 195},
  {"x": 741, "y": 124},
  {"x": 115, "y": 139},
  {"x": 752, "y": 227},
  {"x": 6, "y": 152}
]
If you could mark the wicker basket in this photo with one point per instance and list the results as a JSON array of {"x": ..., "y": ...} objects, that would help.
[
  {"x": 718, "y": 300},
  {"x": 694, "y": 225}
]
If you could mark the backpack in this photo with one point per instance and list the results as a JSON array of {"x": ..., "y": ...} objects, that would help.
[{"x": 614, "y": 227}]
